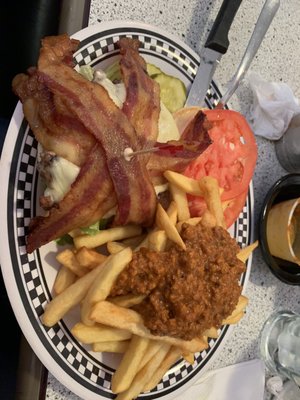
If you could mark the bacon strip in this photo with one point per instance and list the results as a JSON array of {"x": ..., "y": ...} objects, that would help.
[
  {"x": 197, "y": 129},
  {"x": 176, "y": 155},
  {"x": 89, "y": 198},
  {"x": 71, "y": 116},
  {"x": 142, "y": 104},
  {"x": 49, "y": 119},
  {"x": 110, "y": 126}
]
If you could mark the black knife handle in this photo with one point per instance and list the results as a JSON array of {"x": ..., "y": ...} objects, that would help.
[{"x": 218, "y": 36}]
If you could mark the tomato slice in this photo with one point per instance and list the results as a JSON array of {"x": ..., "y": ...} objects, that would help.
[
  {"x": 233, "y": 208},
  {"x": 231, "y": 158}
]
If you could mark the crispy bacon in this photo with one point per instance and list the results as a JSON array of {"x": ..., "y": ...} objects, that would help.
[
  {"x": 142, "y": 103},
  {"x": 77, "y": 120},
  {"x": 54, "y": 127},
  {"x": 197, "y": 129},
  {"x": 96, "y": 111},
  {"x": 90, "y": 197},
  {"x": 176, "y": 155},
  {"x": 58, "y": 49}
]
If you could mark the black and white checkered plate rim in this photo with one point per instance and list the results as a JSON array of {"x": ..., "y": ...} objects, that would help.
[{"x": 30, "y": 270}]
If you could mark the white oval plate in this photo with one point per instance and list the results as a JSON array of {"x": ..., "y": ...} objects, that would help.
[{"x": 29, "y": 277}]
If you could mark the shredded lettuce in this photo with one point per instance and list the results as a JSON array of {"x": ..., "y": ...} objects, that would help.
[
  {"x": 89, "y": 230},
  {"x": 87, "y": 71},
  {"x": 96, "y": 227},
  {"x": 66, "y": 239},
  {"x": 113, "y": 72},
  {"x": 92, "y": 229}
]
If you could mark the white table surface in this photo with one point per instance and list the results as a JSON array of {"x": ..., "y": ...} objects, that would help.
[{"x": 278, "y": 59}]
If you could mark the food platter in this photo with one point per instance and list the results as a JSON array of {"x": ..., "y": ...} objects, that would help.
[{"x": 29, "y": 277}]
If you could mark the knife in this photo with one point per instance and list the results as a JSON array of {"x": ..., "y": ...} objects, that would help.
[{"x": 215, "y": 46}]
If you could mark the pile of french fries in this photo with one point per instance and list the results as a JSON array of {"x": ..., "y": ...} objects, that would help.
[{"x": 87, "y": 275}]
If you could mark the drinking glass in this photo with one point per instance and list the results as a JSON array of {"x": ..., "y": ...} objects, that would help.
[{"x": 280, "y": 344}]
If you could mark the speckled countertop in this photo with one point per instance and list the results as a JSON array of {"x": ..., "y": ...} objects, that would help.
[{"x": 278, "y": 59}]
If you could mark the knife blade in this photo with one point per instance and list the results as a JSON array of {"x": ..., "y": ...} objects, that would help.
[{"x": 215, "y": 46}]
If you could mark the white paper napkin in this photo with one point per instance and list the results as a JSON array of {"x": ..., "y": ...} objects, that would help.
[
  {"x": 274, "y": 105},
  {"x": 243, "y": 381}
]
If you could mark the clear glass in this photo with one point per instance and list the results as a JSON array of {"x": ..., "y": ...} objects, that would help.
[
  {"x": 289, "y": 392},
  {"x": 280, "y": 344}
]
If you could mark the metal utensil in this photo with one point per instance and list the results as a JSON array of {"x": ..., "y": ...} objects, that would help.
[
  {"x": 216, "y": 45},
  {"x": 265, "y": 18}
]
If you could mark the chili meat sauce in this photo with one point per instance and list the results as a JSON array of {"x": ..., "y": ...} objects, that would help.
[{"x": 188, "y": 291}]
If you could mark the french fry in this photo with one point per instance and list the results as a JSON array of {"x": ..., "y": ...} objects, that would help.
[
  {"x": 129, "y": 364},
  {"x": 171, "y": 357},
  {"x": 204, "y": 340},
  {"x": 241, "y": 305},
  {"x": 98, "y": 333},
  {"x": 75, "y": 232},
  {"x": 101, "y": 287},
  {"x": 111, "y": 347},
  {"x": 238, "y": 312},
  {"x": 107, "y": 235},
  {"x": 172, "y": 212},
  {"x": 153, "y": 347},
  {"x": 211, "y": 332},
  {"x": 109, "y": 314},
  {"x": 89, "y": 258},
  {"x": 157, "y": 240},
  {"x": 134, "y": 241},
  {"x": 234, "y": 319},
  {"x": 187, "y": 185},
  {"x": 144, "y": 242},
  {"x": 210, "y": 187},
  {"x": 189, "y": 357},
  {"x": 179, "y": 196},
  {"x": 69, "y": 298},
  {"x": 208, "y": 219},
  {"x": 115, "y": 247},
  {"x": 144, "y": 375},
  {"x": 68, "y": 259},
  {"x": 127, "y": 300},
  {"x": 64, "y": 278},
  {"x": 163, "y": 222},
  {"x": 244, "y": 253}
]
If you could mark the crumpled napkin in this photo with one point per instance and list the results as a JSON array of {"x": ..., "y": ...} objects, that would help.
[
  {"x": 244, "y": 381},
  {"x": 274, "y": 105}
]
